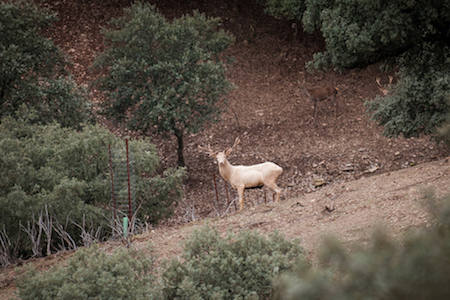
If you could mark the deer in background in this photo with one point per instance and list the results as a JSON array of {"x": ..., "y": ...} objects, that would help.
[
  {"x": 244, "y": 177},
  {"x": 382, "y": 88},
  {"x": 319, "y": 94}
]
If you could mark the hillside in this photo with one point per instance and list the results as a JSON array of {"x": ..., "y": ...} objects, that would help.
[
  {"x": 341, "y": 175},
  {"x": 349, "y": 211},
  {"x": 266, "y": 110}
]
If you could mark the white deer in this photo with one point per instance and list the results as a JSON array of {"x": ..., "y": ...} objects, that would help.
[{"x": 244, "y": 177}]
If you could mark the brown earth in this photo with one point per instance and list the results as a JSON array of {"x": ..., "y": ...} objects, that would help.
[{"x": 341, "y": 175}]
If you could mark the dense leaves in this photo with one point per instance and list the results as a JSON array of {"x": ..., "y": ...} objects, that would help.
[
  {"x": 236, "y": 267},
  {"x": 68, "y": 172},
  {"x": 32, "y": 68},
  {"x": 164, "y": 75},
  {"x": 420, "y": 102},
  {"x": 93, "y": 274},
  {"x": 413, "y": 34}
]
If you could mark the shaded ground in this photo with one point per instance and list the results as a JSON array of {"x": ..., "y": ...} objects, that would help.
[{"x": 338, "y": 172}]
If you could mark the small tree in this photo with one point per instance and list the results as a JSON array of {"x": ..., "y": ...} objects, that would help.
[
  {"x": 164, "y": 75},
  {"x": 32, "y": 68}
]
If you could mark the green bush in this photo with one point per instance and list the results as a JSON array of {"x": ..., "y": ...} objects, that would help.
[
  {"x": 412, "y": 35},
  {"x": 93, "y": 274},
  {"x": 33, "y": 70},
  {"x": 287, "y": 9},
  {"x": 420, "y": 102},
  {"x": 67, "y": 172},
  {"x": 416, "y": 268},
  {"x": 237, "y": 267}
]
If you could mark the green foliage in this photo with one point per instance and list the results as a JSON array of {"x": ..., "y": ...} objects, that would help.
[
  {"x": 420, "y": 102},
  {"x": 164, "y": 75},
  {"x": 68, "y": 171},
  {"x": 358, "y": 32},
  {"x": 413, "y": 34},
  {"x": 287, "y": 9},
  {"x": 93, "y": 274},
  {"x": 159, "y": 194},
  {"x": 32, "y": 68},
  {"x": 444, "y": 133},
  {"x": 416, "y": 268},
  {"x": 236, "y": 267}
]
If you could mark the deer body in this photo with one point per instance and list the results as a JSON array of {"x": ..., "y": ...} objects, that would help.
[
  {"x": 244, "y": 177},
  {"x": 319, "y": 94}
]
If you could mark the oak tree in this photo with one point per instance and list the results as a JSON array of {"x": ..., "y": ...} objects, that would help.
[{"x": 164, "y": 75}]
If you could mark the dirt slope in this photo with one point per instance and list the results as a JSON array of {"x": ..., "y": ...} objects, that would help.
[
  {"x": 341, "y": 175},
  {"x": 349, "y": 211}
]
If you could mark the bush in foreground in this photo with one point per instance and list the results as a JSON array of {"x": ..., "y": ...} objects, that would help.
[
  {"x": 93, "y": 274},
  {"x": 416, "y": 268},
  {"x": 236, "y": 267}
]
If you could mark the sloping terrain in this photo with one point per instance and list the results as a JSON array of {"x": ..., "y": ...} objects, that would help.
[
  {"x": 341, "y": 175},
  {"x": 350, "y": 211}
]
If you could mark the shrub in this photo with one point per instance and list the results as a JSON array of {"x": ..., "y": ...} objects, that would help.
[
  {"x": 416, "y": 268},
  {"x": 32, "y": 69},
  {"x": 93, "y": 274},
  {"x": 67, "y": 172},
  {"x": 237, "y": 267},
  {"x": 420, "y": 102}
]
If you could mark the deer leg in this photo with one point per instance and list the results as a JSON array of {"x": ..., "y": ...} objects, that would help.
[
  {"x": 315, "y": 110},
  {"x": 335, "y": 107},
  {"x": 241, "y": 198},
  {"x": 276, "y": 189}
]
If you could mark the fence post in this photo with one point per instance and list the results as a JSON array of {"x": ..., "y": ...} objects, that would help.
[
  {"x": 217, "y": 194},
  {"x": 226, "y": 189},
  {"x": 130, "y": 214},
  {"x": 112, "y": 187}
]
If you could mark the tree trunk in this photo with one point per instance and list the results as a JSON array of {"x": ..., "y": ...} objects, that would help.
[{"x": 179, "y": 135}]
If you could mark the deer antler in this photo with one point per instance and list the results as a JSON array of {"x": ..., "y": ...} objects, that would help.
[
  {"x": 236, "y": 142},
  {"x": 382, "y": 88},
  {"x": 378, "y": 81},
  {"x": 208, "y": 150}
]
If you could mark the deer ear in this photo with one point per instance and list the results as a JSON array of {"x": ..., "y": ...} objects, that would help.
[{"x": 228, "y": 152}]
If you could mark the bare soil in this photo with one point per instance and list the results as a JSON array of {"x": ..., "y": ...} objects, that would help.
[{"x": 341, "y": 175}]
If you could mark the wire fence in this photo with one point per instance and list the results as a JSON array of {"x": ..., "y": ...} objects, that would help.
[{"x": 123, "y": 195}]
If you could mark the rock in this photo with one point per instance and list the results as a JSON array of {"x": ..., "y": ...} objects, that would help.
[
  {"x": 371, "y": 169},
  {"x": 347, "y": 168},
  {"x": 319, "y": 182}
]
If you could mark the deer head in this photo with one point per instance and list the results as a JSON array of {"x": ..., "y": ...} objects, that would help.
[
  {"x": 382, "y": 88},
  {"x": 220, "y": 156}
]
